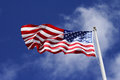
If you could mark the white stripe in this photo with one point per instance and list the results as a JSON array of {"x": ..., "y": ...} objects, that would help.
[
  {"x": 29, "y": 41},
  {"x": 32, "y": 40},
  {"x": 55, "y": 45},
  {"x": 29, "y": 37},
  {"x": 26, "y": 35},
  {"x": 55, "y": 40},
  {"x": 53, "y": 50},
  {"x": 51, "y": 29},
  {"x": 29, "y": 28},
  {"x": 60, "y": 36},
  {"x": 90, "y": 53}
]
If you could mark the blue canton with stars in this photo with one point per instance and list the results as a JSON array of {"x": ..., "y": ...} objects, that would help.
[{"x": 81, "y": 36}]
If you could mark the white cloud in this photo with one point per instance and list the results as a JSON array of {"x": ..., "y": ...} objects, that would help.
[
  {"x": 64, "y": 64},
  {"x": 116, "y": 4},
  {"x": 114, "y": 69},
  {"x": 8, "y": 72}
]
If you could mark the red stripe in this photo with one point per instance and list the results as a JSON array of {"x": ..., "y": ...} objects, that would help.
[
  {"x": 80, "y": 52},
  {"x": 28, "y": 44},
  {"x": 51, "y": 26},
  {"x": 51, "y": 51},
  {"x": 57, "y": 38},
  {"x": 35, "y": 44},
  {"x": 29, "y": 25},
  {"x": 42, "y": 36}
]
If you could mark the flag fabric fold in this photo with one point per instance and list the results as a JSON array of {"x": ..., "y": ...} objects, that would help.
[{"x": 47, "y": 37}]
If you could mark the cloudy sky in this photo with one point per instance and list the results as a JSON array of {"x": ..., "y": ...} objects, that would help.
[{"x": 19, "y": 63}]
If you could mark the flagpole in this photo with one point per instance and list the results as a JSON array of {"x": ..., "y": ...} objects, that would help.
[{"x": 100, "y": 55}]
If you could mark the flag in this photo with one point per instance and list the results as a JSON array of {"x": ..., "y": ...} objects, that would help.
[{"x": 47, "y": 37}]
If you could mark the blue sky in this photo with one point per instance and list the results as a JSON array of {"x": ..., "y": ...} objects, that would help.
[{"x": 19, "y": 63}]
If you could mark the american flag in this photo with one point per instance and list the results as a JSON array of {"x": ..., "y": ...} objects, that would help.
[{"x": 47, "y": 37}]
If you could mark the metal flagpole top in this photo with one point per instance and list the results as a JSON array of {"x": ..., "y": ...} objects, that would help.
[{"x": 94, "y": 28}]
